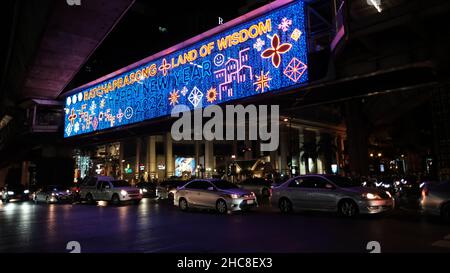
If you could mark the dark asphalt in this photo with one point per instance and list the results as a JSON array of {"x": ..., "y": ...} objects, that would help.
[{"x": 156, "y": 226}]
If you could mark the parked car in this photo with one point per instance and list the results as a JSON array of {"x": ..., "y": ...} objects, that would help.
[
  {"x": 330, "y": 193},
  {"x": 435, "y": 199},
  {"x": 54, "y": 194},
  {"x": 148, "y": 188},
  {"x": 15, "y": 193},
  {"x": 167, "y": 188},
  {"x": 259, "y": 186},
  {"x": 106, "y": 188},
  {"x": 217, "y": 194}
]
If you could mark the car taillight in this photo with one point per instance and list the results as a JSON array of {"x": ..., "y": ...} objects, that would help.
[{"x": 425, "y": 192}]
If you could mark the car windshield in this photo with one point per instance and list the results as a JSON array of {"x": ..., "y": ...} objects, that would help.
[
  {"x": 120, "y": 183},
  {"x": 222, "y": 184},
  {"x": 343, "y": 182}
]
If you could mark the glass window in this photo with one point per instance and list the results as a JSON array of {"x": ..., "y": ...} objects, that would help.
[
  {"x": 105, "y": 183},
  {"x": 120, "y": 183},
  {"x": 222, "y": 184},
  {"x": 343, "y": 182},
  {"x": 91, "y": 181}
]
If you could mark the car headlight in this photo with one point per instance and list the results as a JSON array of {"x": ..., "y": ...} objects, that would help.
[
  {"x": 234, "y": 196},
  {"x": 371, "y": 196},
  {"x": 389, "y": 194},
  {"x": 10, "y": 193},
  {"x": 123, "y": 192},
  {"x": 26, "y": 191},
  {"x": 144, "y": 190}
]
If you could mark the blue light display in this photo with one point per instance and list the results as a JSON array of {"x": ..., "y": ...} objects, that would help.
[{"x": 265, "y": 54}]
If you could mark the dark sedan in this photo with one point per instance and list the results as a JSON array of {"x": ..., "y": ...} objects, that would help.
[
  {"x": 148, "y": 189},
  {"x": 15, "y": 193}
]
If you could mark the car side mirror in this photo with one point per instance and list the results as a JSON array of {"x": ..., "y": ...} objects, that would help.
[{"x": 210, "y": 188}]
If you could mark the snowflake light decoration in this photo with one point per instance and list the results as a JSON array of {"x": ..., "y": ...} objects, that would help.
[
  {"x": 285, "y": 24},
  {"x": 258, "y": 44},
  {"x": 102, "y": 103},
  {"x": 195, "y": 97},
  {"x": 93, "y": 107},
  {"x": 76, "y": 127},
  {"x": 262, "y": 81},
  {"x": 173, "y": 97},
  {"x": 184, "y": 91}
]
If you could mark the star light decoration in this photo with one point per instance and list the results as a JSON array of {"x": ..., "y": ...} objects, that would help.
[
  {"x": 195, "y": 97},
  {"x": 262, "y": 81},
  {"x": 276, "y": 50},
  {"x": 184, "y": 91},
  {"x": 173, "y": 97},
  {"x": 295, "y": 69},
  {"x": 211, "y": 95},
  {"x": 285, "y": 24},
  {"x": 258, "y": 44}
]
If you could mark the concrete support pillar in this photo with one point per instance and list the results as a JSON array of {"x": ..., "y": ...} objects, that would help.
[
  {"x": 151, "y": 156},
  {"x": 209, "y": 159},
  {"x": 441, "y": 133},
  {"x": 170, "y": 164},
  {"x": 138, "y": 158},
  {"x": 25, "y": 175},
  {"x": 302, "y": 166},
  {"x": 284, "y": 146},
  {"x": 121, "y": 160},
  {"x": 319, "y": 160},
  {"x": 357, "y": 134}
]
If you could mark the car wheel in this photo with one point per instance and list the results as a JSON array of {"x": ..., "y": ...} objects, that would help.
[
  {"x": 285, "y": 205},
  {"x": 115, "y": 200},
  {"x": 265, "y": 192},
  {"x": 221, "y": 206},
  {"x": 445, "y": 213},
  {"x": 183, "y": 204},
  {"x": 348, "y": 208},
  {"x": 89, "y": 198}
]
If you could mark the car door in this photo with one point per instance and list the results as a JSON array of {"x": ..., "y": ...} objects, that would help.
[
  {"x": 208, "y": 195},
  {"x": 191, "y": 192},
  {"x": 106, "y": 191},
  {"x": 97, "y": 192},
  {"x": 297, "y": 192},
  {"x": 322, "y": 195}
]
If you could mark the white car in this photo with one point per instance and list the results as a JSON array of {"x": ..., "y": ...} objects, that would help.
[
  {"x": 217, "y": 194},
  {"x": 330, "y": 193},
  {"x": 106, "y": 188}
]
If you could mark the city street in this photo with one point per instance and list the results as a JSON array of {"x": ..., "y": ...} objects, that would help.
[{"x": 156, "y": 226}]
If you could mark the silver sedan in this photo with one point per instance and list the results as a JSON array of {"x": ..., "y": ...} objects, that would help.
[
  {"x": 214, "y": 194},
  {"x": 330, "y": 193},
  {"x": 435, "y": 199}
]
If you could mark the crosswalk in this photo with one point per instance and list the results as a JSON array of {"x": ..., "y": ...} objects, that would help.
[{"x": 443, "y": 243}]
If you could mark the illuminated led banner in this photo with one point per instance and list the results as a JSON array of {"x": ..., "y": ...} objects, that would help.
[{"x": 265, "y": 54}]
